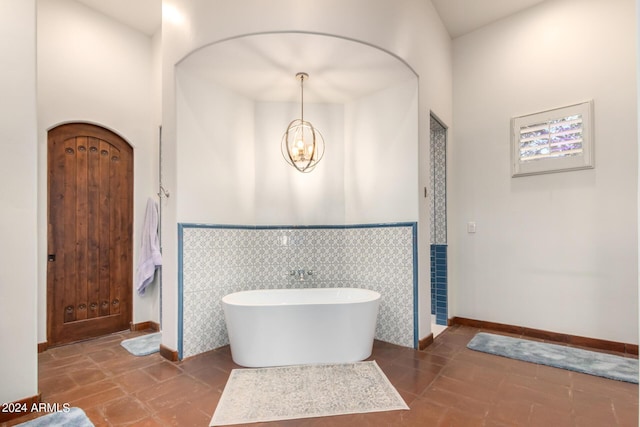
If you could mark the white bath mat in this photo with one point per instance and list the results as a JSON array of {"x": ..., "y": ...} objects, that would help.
[{"x": 305, "y": 391}]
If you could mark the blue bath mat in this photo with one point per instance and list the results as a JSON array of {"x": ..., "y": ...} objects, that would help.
[
  {"x": 143, "y": 345},
  {"x": 74, "y": 417},
  {"x": 574, "y": 359}
]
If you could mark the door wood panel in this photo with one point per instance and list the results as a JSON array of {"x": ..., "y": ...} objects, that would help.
[{"x": 90, "y": 215}]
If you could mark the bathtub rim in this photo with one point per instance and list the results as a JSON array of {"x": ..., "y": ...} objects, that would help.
[{"x": 371, "y": 296}]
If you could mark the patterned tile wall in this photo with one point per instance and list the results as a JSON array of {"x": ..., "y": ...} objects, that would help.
[
  {"x": 218, "y": 260},
  {"x": 438, "y": 159}
]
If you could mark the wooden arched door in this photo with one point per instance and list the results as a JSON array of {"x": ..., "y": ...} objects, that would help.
[{"x": 90, "y": 215}]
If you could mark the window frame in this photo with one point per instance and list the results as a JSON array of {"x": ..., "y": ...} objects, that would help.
[{"x": 585, "y": 160}]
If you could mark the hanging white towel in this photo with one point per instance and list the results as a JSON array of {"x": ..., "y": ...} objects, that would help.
[{"x": 150, "y": 256}]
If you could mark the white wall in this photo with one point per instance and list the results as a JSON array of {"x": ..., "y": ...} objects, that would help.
[
  {"x": 148, "y": 307},
  {"x": 18, "y": 183},
  {"x": 216, "y": 162},
  {"x": 230, "y": 167},
  {"x": 285, "y": 196},
  {"x": 412, "y": 30},
  {"x": 381, "y": 156},
  {"x": 557, "y": 252},
  {"x": 94, "y": 69},
  {"x": 231, "y": 170},
  {"x": 638, "y": 118}
]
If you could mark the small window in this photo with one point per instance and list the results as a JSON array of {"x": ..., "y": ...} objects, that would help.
[{"x": 553, "y": 141}]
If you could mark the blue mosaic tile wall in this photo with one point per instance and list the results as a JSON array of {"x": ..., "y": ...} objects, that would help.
[
  {"x": 217, "y": 260},
  {"x": 439, "y": 283}
]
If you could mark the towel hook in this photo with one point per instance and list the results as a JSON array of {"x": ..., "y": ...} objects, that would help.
[{"x": 163, "y": 192}]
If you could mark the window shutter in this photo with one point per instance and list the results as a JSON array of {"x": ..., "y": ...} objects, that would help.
[
  {"x": 552, "y": 141},
  {"x": 555, "y": 138}
]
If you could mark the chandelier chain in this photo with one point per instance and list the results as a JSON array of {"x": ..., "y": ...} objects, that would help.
[{"x": 302, "y": 76}]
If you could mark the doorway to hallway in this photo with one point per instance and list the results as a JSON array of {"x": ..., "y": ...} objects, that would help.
[{"x": 438, "y": 201}]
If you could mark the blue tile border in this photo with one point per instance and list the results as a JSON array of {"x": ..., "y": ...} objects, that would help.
[
  {"x": 416, "y": 320},
  {"x": 180, "y": 288},
  {"x": 301, "y": 227}
]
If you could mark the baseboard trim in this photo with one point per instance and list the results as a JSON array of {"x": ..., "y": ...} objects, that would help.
[
  {"x": 145, "y": 326},
  {"x": 26, "y": 403},
  {"x": 425, "y": 342},
  {"x": 43, "y": 346},
  {"x": 168, "y": 354},
  {"x": 594, "y": 343}
]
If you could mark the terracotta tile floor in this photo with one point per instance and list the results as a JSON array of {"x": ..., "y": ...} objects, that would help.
[{"x": 445, "y": 385}]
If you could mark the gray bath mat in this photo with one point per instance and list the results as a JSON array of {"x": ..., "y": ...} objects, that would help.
[
  {"x": 305, "y": 391},
  {"x": 143, "y": 345},
  {"x": 574, "y": 359},
  {"x": 73, "y": 417}
]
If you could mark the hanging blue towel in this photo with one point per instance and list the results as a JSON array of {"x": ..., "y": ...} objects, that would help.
[{"x": 150, "y": 256}]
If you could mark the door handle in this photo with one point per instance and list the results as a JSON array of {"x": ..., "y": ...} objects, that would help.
[{"x": 51, "y": 257}]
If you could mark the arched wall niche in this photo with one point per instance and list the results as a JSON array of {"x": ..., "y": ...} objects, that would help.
[
  {"x": 410, "y": 30},
  {"x": 234, "y": 99}
]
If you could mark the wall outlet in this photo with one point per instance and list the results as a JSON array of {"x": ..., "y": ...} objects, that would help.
[{"x": 471, "y": 227}]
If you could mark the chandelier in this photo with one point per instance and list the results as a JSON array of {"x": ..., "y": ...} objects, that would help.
[{"x": 302, "y": 145}]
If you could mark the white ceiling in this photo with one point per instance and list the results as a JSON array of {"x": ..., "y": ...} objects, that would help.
[
  {"x": 459, "y": 16},
  {"x": 142, "y": 15},
  {"x": 463, "y": 16},
  {"x": 264, "y": 67}
]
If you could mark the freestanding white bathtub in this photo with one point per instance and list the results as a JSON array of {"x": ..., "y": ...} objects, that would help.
[{"x": 277, "y": 327}]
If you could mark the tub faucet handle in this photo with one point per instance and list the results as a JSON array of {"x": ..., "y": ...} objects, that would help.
[{"x": 301, "y": 274}]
